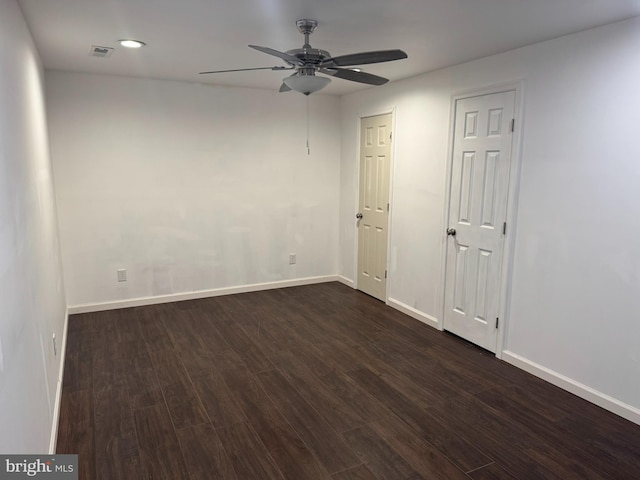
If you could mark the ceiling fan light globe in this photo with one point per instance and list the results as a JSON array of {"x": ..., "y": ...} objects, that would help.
[{"x": 306, "y": 84}]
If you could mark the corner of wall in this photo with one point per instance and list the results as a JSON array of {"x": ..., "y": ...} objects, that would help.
[{"x": 58, "y": 399}]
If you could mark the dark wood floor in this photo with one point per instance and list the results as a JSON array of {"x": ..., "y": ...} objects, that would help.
[{"x": 317, "y": 382}]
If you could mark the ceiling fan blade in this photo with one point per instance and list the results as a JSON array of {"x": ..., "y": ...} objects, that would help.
[
  {"x": 354, "y": 76},
  {"x": 284, "y": 56},
  {"x": 247, "y": 69},
  {"x": 364, "y": 58}
]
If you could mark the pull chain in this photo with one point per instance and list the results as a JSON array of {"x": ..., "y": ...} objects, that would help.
[{"x": 308, "y": 129}]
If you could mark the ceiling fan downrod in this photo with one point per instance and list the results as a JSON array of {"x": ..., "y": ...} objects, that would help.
[{"x": 306, "y": 27}]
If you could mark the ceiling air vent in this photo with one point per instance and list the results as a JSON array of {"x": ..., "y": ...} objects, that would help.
[{"x": 102, "y": 52}]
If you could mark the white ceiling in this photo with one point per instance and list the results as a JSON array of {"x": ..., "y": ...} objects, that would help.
[{"x": 185, "y": 37}]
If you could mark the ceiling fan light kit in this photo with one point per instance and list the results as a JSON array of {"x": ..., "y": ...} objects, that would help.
[
  {"x": 306, "y": 84},
  {"x": 307, "y": 61}
]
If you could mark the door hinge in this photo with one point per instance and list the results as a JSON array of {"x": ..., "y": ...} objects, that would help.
[
  {"x": 513, "y": 125},
  {"x": 497, "y": 322},
  {"x": 504, "y": 228},
  {"x": 390, "y": 136},
  {"x": 385, "y": 274},
  {"x": 387, "y": 207}
]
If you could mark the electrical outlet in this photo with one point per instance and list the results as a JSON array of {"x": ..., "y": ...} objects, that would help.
[
  {"x": 292, "y": 259},
  {"x": 55, "y": 347},
  {"x": 122, "y": 274}
]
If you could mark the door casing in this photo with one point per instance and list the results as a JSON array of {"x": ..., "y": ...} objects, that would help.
[
  {"x": 512, "y": 199},
  {"x": 384, "y": 111}
]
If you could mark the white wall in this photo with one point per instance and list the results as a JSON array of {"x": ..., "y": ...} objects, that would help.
[
  {"x": 32, "y": 306},
  {"x": 190, "y": 187},
  {"x": 576, "y": 279}
]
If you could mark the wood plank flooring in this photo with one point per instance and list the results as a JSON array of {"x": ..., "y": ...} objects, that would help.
[{"x": 316, "y": 382}]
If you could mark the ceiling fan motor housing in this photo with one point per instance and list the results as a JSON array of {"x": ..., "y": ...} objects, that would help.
[{"x": 310, "y": 56}]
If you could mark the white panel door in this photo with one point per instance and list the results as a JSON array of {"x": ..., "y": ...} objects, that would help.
[
  {"x": 375, "y": 163},
  {"x": 477, "y": 212}
]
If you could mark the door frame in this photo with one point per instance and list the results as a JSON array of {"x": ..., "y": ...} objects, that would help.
[
  {"x": 512, "y": 202},
  {"x": 372, "y": 113}
]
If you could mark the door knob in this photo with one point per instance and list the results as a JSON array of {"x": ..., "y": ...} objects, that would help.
[
  {"x": 451, "y": 232},
  {"x": 358, "y": 215}
]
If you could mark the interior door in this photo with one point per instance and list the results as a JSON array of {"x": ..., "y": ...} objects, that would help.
[
  {"x": 479, "y": 185},
  {"x": 373, "y": 214}
]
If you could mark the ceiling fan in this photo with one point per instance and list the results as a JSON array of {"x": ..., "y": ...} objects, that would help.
[{"x": 307, "y": 61}]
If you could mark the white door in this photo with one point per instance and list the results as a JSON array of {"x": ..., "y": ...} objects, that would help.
[
  {"x": 477, "y": 214},
  {"x": 373, "y": 214}
]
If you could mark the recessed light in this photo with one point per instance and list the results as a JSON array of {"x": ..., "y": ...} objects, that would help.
[{"x": 131, "y": 43}]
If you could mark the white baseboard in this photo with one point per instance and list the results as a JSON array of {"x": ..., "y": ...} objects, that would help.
[
  {"x": 176, "y": 297},
  {"x": 53, "y": 442},
  {"x": 583, "y": 391},
  {"x": 346, "y": 281},
  {"x": 412, "y": 312}
]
